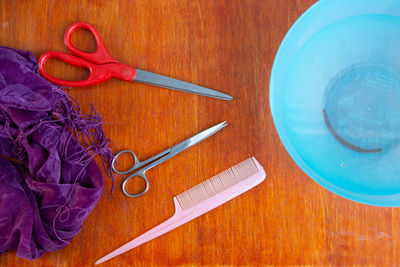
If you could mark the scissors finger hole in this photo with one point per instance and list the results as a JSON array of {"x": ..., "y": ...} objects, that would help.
[
  {"x": 135, "y": 186},
  {"x": 124, "y": 162},
  {"x": 64, "y": 71},
  {"x": 84, "y": 40}
]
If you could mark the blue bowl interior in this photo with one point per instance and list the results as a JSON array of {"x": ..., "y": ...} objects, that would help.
[{"x": 335, "y": 99}]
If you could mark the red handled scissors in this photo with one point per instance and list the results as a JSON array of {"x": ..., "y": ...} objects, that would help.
[{"x": 103, "y": 67}]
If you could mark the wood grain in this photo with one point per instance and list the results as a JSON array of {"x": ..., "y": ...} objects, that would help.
[{"x": 229, "y": 46}]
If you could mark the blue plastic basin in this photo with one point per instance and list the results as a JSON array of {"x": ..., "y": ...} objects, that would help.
[{"x": 335, "y": 97}]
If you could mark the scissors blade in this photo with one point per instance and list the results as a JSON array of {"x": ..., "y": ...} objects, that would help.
[
  {"x": 170, "y": 83},
  {"x": 196, "y": 138}
]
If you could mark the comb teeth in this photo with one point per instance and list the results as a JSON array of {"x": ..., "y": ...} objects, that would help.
[{"x": 217, "y": 184}]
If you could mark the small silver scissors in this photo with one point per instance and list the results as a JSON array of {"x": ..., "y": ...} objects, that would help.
[{"x": 161, "y": 157}]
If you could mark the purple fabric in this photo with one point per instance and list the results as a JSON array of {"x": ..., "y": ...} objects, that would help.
[{"x": 49, "y": 182}]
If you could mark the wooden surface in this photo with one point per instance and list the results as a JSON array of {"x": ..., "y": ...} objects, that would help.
[{"x": 225, "y": 45}]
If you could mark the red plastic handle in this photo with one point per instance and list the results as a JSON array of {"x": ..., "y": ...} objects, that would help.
[
  {"x": 98, "y": 73},
  {"x": 100, "y": 64},
  {"x": 100, "y": 56}
]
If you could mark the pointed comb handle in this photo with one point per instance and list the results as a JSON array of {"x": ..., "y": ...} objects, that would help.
[{"x": 173, "y": 222}]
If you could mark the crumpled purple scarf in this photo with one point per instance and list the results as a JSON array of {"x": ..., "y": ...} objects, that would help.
[{"x": 49, "y": 182}]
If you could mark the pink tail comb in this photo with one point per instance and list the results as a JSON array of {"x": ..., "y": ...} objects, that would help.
[{"x": 201, "y": 199}]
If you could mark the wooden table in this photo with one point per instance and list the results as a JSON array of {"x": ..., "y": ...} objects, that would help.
[{"x": 230, "y": 46}]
